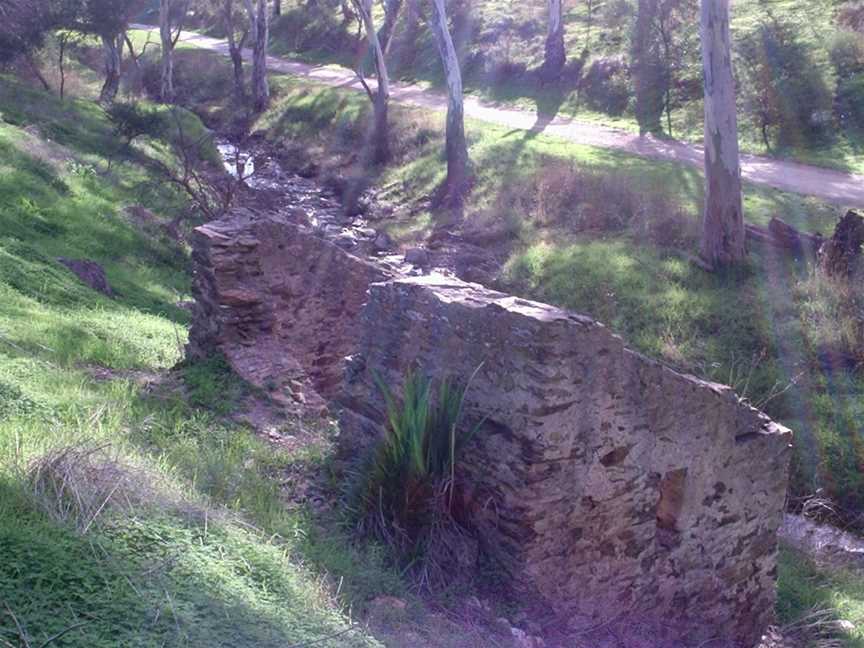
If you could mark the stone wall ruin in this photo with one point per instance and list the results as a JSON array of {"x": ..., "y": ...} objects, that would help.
[{"x": 604, "y": 483}]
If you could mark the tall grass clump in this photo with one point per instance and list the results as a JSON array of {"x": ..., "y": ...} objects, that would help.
[{"x": 408, "y": 490}]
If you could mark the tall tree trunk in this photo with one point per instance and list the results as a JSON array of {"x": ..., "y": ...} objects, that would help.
[
  {"x": 61, "y": 62},
  {"x": 723, "y": 236},
  {"x": 235, "y": 48},
  {"x": 457, "y": 150},
  {"x": 648, "y": 71},
  {"x": 277, "y": 8},
  {"x": 167, "y": 38},
  {"x": 381, "y": 100},
  {"x": 391, "y": 15},
  {"x": 259, "y": 27},
  {"x": 34, "y": 68},
  {"x": 555, "y": 56},
  {"x": 111, "y": 46}
]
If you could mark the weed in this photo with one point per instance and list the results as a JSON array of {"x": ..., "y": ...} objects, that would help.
[
  {"x": 212, "y": 385},
  {"x": 406, "y": 490}
]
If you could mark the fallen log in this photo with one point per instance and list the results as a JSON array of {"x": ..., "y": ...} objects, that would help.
[{"x": 783, "y": 236}]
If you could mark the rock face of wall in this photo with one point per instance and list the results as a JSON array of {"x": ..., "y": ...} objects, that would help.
[
  {"x": 606, "y": 485},
  {"x": 281, "y": 303},
  {"x": 604, "y": 482}
]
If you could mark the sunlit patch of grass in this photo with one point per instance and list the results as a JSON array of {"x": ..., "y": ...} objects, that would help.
[
  {"x": 232, "y": 566},
  {"x": 803, "y": 588}
]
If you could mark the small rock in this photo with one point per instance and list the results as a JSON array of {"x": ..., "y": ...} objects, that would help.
[
  {"x": 300, "y": 216},
  {"x": 417, "y": 257},
  {"x": 383, "y": 242},
  {"x": 90, "y": 273},
  {"x": 367, "y": 232},
  {"x": 477, "y": 606},
  {"x": 346, "y": 240},
  {"x": 845, "y": 626},
  {"x": 187, "y": 305},
  {"x": 476, "y": 275},
  {"x": 503, "y": 626},
  {"x": 332, "y": 230}
]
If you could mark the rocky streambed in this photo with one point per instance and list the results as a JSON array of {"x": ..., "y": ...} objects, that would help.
[{"x": 354, "y": 220}]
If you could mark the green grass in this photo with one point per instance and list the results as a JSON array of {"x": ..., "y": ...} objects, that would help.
[
  {"x": 48, "y": 396},
  {"x": 214, "y": 558},
  {"x": 804, "y": 588}
]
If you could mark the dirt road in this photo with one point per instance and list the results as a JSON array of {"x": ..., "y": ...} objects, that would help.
[{"x": 841, "y": 188}]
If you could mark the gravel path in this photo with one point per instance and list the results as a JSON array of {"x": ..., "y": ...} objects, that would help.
[{"x": 844, "y": 189}]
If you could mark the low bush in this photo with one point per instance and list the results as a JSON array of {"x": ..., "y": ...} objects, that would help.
[
  {"x": 406, "y": 491},
  {"x": 850, "y": 100},
  {"x": 132, "y": 120}
]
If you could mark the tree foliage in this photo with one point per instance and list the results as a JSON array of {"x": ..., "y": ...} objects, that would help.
[
  {"x": 785, "y": 92},
  {"x": 24, "y": 24}
]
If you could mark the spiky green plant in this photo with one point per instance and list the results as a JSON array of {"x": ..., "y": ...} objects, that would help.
[{"x": 410, "y": 475}]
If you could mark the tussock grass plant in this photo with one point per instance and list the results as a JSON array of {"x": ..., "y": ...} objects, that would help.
[{"x": 407, "y": 489}]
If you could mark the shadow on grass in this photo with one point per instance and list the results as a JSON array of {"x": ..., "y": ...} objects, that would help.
[{"x": 158, "y": 578}]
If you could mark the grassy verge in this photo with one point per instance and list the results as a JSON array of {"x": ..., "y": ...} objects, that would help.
[
  {"x": 756, "y": 329},
  {"x": 805, "y": 588},
  {"x": 186, "y": 541}
]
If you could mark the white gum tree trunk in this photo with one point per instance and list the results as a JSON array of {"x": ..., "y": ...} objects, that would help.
[
  {"x": 381, "y": 138},
  {"x": 167, "y": 38},
  {"x": 456, "y": 147},
  {"x": 259, "y": 28},
  {"x": 111, "y": 48},
  {"x": 723, "y": 236},
  {"x": 555, "y": 55}
]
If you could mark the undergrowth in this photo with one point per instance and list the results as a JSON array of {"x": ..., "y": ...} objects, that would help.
[{"x": 406, "y": 489}]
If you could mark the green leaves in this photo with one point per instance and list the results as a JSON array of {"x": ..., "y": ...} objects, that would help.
[{"x": 414, "y": 462}]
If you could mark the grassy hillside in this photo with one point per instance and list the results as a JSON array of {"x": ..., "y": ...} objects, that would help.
[
  {"x": 502, "y": 41},
  {"x": 130, "y": 513},
  {"x": 198, "y": 547}
]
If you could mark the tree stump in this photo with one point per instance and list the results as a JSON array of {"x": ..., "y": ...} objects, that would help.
[{"x": 840, "y": 256}]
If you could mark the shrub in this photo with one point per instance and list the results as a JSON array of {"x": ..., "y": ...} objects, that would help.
[
  {"x": 847, "y": 53},
  {"x": 131, "y": 121},
  {"x": 406, "y": 490},
  {"x": 852, "y": 16},
  {"x": 783, "y": 88},
  {"x": 850, "y": 100}
]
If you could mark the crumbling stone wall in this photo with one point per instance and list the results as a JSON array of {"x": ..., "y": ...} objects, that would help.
[
  {"x": 605, "y": 483},
  {"x": 279, "y": 301}
]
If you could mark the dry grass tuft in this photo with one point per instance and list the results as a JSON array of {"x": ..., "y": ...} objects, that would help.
[
  {"x": 585, "y": 201},
  {"x": 77, "y": 485},
  {"x": 820, "y": 628}
]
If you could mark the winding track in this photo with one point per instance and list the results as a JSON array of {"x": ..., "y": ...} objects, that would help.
[{"x": 837, "y": 187}]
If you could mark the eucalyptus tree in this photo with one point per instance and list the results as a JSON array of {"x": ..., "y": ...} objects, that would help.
[
  {"x": 555, "y": 55},
  {"x": 171, "y": 16},
  {"x": 457, "y": 182},
  {"x": 259, "y": 28},
  {"x": 723, "y": 235},
  {"x": 381, "y": 97},
  {"x": 109, "y": 20},
  {"x": 237, "y": 31}
]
